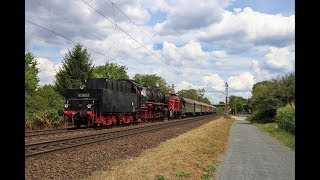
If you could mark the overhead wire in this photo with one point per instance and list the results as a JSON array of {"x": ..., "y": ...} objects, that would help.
[
  {"x": 114, "y": 5},
  {"x": 57, "y": 14},
  {"x": 116, "y": 26},
  {"x": 44, "y": 28},
  {"x": 114, "y": 23},
  {"x": 131, "y": 36}
]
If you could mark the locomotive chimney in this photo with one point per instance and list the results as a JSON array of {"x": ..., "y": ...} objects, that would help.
[{"x": 172, "y": 88}]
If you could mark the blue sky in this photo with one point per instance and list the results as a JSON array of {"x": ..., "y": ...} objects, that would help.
[
  {"x": 285, "y": 7},
  {"x": 157, "y": 17},
  {"x": 208, "y": 42}
]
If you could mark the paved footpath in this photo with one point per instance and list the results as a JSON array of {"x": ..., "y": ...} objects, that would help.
[{"x": 252, "y": 154}]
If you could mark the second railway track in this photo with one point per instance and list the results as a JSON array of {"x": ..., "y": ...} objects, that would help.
[
  {"x": 45, "y": 132},
  {"x": 38, "y": 148}
]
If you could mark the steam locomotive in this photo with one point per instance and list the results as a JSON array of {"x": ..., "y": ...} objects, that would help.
[{"x": 103, "y": 102}]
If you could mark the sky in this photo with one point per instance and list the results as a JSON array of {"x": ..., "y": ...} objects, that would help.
[{"x": 191, "y": 44}]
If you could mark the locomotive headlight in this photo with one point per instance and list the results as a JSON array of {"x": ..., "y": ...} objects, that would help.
[
  {"x": 66, "y": 105},
  {"x": 89, "y": 106}
]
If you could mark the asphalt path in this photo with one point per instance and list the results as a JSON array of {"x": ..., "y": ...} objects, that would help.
[{"x": 252, "y": 154}]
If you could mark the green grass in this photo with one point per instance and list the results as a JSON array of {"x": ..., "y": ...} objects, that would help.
[
  {"x": 282, "y": 136},
  {"x": 160, "y": 177},
  {"x": 208, "y": 172},
  {"x": 183, "y": 174}
]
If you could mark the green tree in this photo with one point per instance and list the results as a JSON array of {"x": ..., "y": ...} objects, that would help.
[
  {"x": 110, "y": 71},
  {"x": 287, "y": 88},
  {"x": 221, "y": 102},
  {"x": 264, "y": 98},
  {"x": 49, "y": 98},
  {"x": 238, "y": 103},
  {"x": 205, "y": 100},
  {"x": 194, "y": 94},
  {"x": 189, "y": 93},
  {"x": 45, "y": 98},
  {"x": 44, "y": 104},
  {"x": 31, "y": 74},
  {"x": 152, "y": 80},
  {"x": 268, "y": 96},
  {"x": 31, "y": 81},
  {"x": 76, "y": 67}
]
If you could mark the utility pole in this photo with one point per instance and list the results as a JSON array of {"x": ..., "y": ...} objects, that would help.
[
  {"x": 226, "y": 104},
  {"x": 172, "y": 87},
  {"x": 235, "y": 106}
]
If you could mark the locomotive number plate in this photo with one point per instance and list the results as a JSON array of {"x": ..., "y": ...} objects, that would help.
[{"x": 83, "y": 95}]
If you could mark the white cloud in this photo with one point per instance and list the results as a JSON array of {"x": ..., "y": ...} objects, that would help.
[
  {"x": 252, "y": 26},
  {"x": 63, "y": 52},
  {"x": 259, "y": 73},
  {"x": 184, "y": 16},
  {"x": 190, "y": 54},
  {"x": 214, "y": 81},
  {"x": 184, "y": 85},
  {"x": 47, "y": 70},
  {"x": 244, "y": 94},
  {"x": 237, "y": 10},
  {"x": 280, "y": 58},
  {"x": 219, "y": 54},
  {"x": 137, "y": 14},
  {"x": 244, "y": 81},
  {"x": 241, "y": 40},
  {"x": 155, "y": 5}
]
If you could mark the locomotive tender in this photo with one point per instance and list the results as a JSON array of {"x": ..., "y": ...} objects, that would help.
[{"x": 103, "y": 101}]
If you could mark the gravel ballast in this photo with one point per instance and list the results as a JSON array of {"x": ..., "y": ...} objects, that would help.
[{"x": 82, "y": 161}]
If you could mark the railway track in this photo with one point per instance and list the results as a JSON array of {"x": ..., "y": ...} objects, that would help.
[
  {"x": 38, "y": 148},
  {"x": 65, "y": 130},
  {"x": 45, "y": 132}
]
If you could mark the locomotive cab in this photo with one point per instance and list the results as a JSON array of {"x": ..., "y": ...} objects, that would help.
[{"x": 80, "y": 111}]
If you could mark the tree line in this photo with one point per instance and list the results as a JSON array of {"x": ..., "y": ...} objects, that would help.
[{"x": 274, "y": 101}]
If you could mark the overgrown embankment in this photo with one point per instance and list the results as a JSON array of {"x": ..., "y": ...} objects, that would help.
[{"x": 193, "y": 155}]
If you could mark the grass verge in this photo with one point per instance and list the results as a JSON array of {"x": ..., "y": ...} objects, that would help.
[
  {"x": 192, "y": 155},
  {"x": 282, "y": 136}
]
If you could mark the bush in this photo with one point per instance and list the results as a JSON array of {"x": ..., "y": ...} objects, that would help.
[
  {"x": 220, "y": 109},
  {"x": 262, "y": 116},
  {"x": 286, "y": 118},
  {"x": 44, "y": 120}
]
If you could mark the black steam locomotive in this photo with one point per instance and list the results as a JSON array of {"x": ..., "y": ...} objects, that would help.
[{"x": 103, "y": 101}]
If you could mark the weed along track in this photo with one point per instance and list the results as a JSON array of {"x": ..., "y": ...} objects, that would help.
[{"x": 38, "y": 148}]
